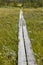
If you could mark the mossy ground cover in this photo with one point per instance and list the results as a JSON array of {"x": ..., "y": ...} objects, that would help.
[
  {"x": 8, "y": 36},
  {"x": 34, "y": 22}
]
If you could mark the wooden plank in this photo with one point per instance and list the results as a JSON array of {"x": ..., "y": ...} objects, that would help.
[
  {"x": 21, "y": 49},
  {"x": 29, "y": 51}
]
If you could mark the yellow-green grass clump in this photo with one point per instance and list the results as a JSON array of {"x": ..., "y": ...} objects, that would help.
[
  {"x": 34, "y": 21},
  {"x": 8, "y": 36}
]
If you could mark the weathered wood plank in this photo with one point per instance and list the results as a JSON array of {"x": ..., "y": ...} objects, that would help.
[
  {"x": 21, "y": 49},
  {"x": 29, "y": 51},
  {"x": 24, "y": 40}
]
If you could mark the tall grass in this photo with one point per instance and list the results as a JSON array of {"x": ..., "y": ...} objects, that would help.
[
  {"x": 34, "y": 21},
  {"x": 8, "y": 36}
]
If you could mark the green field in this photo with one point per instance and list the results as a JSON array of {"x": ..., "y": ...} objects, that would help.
[
  {"x": 8, "y": 36},
  {"x": 34, "y": 21}
]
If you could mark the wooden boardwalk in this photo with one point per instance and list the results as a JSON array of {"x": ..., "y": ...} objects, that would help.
[
  {"x": 21, "y": 49},
  {"x": 25, "y": 52}
]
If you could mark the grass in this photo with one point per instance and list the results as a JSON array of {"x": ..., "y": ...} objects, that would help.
[
  {"x": 34, "y": 21},
  {"x": 8, "y": 36}
]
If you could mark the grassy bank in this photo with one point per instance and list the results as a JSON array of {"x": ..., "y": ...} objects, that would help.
[
  {"x": 8, "y": 36},
  {"x": 34, "y": 21}
]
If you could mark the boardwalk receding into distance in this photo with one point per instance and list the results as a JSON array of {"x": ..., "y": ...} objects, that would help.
[
  {"x": 21, "y": 50},
  {"x": 25, "y": 52}
]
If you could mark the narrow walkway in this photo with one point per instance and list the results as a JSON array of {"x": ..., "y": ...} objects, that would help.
[
  {"x": 25, "y": 52},
  {"x": 21, "y": 49}
]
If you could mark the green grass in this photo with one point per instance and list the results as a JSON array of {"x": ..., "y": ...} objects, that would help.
[
  {"x": 34, "y": 21},
  {"x": 8, "y": 36}
]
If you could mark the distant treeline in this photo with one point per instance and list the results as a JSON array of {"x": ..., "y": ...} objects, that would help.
[
  {"x": 8, "y": 3},
  {"x": 35, "y": 3},
  {"x": 25, "y": 3}
]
